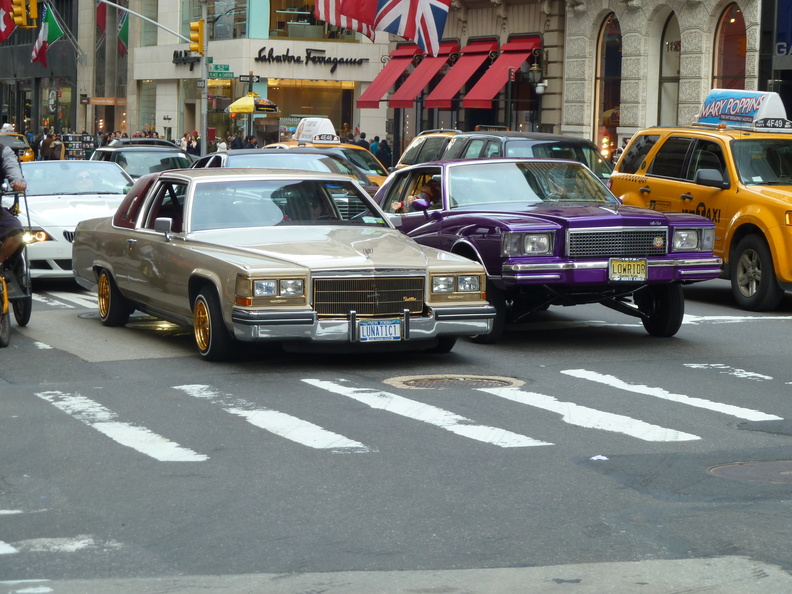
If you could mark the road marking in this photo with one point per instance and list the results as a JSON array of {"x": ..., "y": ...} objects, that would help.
[
  {"x": 65, "y": 545},
  {"x": 281, "y": 424},
  {"x": 736, "y": 372},
  {"x": 695, "y": 320},
  {"x": 103, "y": 420},
  {"x": 7, "y": 549},
  {"x": 583, "y": 416},
  {"x": 427, "y": 413},
  {"x": 727, "y": 409},
  {"x": 82, "y": 300}
]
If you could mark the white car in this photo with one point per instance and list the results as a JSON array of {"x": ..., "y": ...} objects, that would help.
[{"x": 60, "y": 194}]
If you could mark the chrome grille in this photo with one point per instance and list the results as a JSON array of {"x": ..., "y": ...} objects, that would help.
[
  {"x": 621, "y": 242},
  {"x": 369, "y": 297}
]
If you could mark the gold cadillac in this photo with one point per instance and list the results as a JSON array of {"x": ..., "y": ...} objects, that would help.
[{"x": 303, "y": 258}]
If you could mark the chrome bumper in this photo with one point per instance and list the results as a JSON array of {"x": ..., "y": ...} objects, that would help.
[{"x": 252, "y": 326}]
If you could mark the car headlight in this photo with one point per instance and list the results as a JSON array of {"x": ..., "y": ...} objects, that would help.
[
  {"x": 35, "y": 234},
  {"x": 464, "y": 283},
  {"x": 686, "y": 240},
  {"x": 285, "y": 287},
  {"x": 527, "y": 244}
]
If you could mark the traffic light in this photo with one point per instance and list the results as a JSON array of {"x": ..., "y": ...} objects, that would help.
[
  {"x": 197, "y": 33},
  {"x": 19, "y": 12},
  {"x": 24, "y": 13}
]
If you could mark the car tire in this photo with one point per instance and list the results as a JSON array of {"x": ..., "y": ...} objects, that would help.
[
  {"x": 664, "y": 306},
  {"x": 214, "y": 341},
  {"x": 497, "y": 299},
  {"x": 444, "y": 345},
  {"x": 753, "y": 279},
  {"x": 114, "y": 309},
  {"x": 5, "y": 329},
  {"x": 23, "y": 306}
]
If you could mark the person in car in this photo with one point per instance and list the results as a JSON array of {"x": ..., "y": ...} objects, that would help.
[
  {"x": 430, "y": 192},
  {"x": 10, "y": 226}
]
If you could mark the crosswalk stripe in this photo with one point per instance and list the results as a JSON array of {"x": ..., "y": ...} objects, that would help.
[
  {"x": 279, "y": 423},
  {"x": 103, "y": 420},
  {"x": 583, "y": 416},
  {"x": 727, "y": 409},
  {"x": 427, "y": 413},
  {"x": 7, "y": 549},
  {"x": 87, "y": 300}
]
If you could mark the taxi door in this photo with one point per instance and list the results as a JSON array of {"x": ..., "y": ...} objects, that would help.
[{"x": 659, "y": 189}]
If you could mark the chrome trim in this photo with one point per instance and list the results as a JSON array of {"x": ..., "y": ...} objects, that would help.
[
  {"x": 271, "y": 318},
  {"x": 614, "y": 235},
  {"x": 598, "y": 264}
]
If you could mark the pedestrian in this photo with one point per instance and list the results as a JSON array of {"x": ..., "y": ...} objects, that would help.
[
  {"x": 193, "y": 146},
  {"x": 44, "y": 147},
  {"x": 237, "y": 143},
  {"x": 374, "y": 145},
  {"x": 384, "y": 154},
  {"x": 250, "y": 142},
  {"x": 57, "y": 150},
  {"x": 10, "y": 225},
  {"x": 363, "y": 142},
  {"x": 350, "y": 138},
  {"x": 221, "y": 144}
]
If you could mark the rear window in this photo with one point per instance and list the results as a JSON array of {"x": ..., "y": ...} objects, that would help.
[
  {"x": 582, "y": 153},
  {"x": 13, "y": 141},
  {"x": 636, "y": 153},
  {"x": 410, "y": 155}
]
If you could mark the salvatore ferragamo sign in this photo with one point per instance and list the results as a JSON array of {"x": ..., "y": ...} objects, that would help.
[{"x": 312, "y": 56}]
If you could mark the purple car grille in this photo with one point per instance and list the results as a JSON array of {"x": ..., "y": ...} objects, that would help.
[
  {"x": 623, "y": 242},
  {"x": 368, "y": 297}
]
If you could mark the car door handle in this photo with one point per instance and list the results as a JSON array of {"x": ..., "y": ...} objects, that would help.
[
  {"x": 645, "y": 191},
  {"x": 687, "y": 196},
  {"x": 130, "y": 244}
]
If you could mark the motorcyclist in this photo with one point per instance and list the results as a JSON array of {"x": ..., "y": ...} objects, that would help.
[{"x": 10, "y": 226}]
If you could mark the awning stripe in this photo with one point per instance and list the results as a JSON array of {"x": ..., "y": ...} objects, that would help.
[
  {"x": 401, "y": 58},
  {"x": 405, "y": 95},
  {"x": 473, "y": 56}
]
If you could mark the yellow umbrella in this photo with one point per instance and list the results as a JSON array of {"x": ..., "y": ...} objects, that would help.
[{"x": 252, "y": 103}]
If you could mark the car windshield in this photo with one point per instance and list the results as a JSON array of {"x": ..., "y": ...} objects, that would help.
[
  {"x": 288, "y": 160},
  {"x": 589, "y": 156},
  {"x": 267, "y": 203},
  {"x": 524, "y": 184},
  {"x": 137, "y": 163},
  {"x": 764, "y": 161},
  {"x": 13, "y": 141},
  {"x": 365, "y": 160},
  {"x": 68, "y": 178}
]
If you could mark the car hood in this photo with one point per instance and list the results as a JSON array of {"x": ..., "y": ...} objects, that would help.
[
  {"x": 326, "y": 247},
  {"x": 67, "y": 211},
  {"x": 576, "y": 215}
]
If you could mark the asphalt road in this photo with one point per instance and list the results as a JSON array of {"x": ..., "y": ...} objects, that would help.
[{"x": 577, "y": 455}]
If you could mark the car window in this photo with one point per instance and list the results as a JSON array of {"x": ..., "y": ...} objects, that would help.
[
  {"x": 396, "y": 192},
  {"x": 493, "y": 149},
  {"x": 432, "y": 148},
  {"x": 167, "y": 201},
  {"x": 454, "y": 147},
  {"x": 365, "y": 161},
  {"x": 13, "y": 141},
  {"x": 127, "y": 214},
  {"x": 74, "y": 177},
  {"x": 636, "y": 153},
  {"x": 763, "y": 161},
  {"x": 583, "y": 153},
  {"x": 670, "y": 158},
  {"x": 410, "y": 155},
  {"x": 267, "y": 203},
  {"x": 473, "y": 150},
  {"x": 706, "y": 155}
]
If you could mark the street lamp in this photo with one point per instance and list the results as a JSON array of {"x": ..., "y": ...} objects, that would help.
[{"x": 535, "y": 75}]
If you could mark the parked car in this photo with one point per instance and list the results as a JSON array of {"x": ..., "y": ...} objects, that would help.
[
  {"x": 310, "y": 159},
  {"x": 60, "y": 194},
  {"x": 446, "y": 144},
  {"x": 19, "y": 144},
  {"x": 253, "y": 255},
  {"x": 143, "y": 142},
  {"x": 735, "y": 168},
  {"x": 140, "y": 160},
  {"x": 550, "y": 233}
]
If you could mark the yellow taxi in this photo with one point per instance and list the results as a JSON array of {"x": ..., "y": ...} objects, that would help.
[
  {"x": 319, "y": 132},
  {"x": 19, "y": 144},
  {"x": 734, "y": 166}
]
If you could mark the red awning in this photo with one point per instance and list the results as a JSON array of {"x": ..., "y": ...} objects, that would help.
[
  {"x": 473, "y": 56},
  {"x": 514, "y": 53},
  {"x": 405, "y": 95},
  {"x": 401, "y": 58}
]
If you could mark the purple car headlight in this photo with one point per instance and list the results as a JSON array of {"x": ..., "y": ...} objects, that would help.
[
  {"x": 526, "y": 244},
  {"x": 694, "y": 240}
]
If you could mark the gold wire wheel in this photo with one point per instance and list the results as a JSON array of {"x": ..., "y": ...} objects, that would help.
[
  {"x": 103, "y": 295},
  {"x": 201, "y": 325}
]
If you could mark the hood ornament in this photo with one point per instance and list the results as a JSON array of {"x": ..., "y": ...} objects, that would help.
[{"x": 368, "y": 251}]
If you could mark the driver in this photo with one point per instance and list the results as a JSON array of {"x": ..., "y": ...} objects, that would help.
[
  {"x": 430, "y": 192},
  {"x": 10, "y": 226}
]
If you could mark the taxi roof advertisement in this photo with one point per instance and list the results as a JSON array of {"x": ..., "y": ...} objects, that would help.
[{"x": 744, "y": 109}]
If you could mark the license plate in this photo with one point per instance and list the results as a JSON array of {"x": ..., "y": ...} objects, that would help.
[
  {"x": 627, "y": 269},
  {"x": 379, "y": 330}
]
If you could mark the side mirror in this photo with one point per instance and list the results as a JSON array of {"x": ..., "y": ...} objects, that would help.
[
  {"x": 164, "y": 225},
  {"x": 712, "y": 178},
  {"x": 421, "y": 204}
]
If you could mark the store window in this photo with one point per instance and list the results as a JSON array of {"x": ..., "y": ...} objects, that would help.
[
  {"x": 608, "y": 85},
  {"x": 730, "y": 49},
  {"x": 225, "y": 19},
  {"x": 670, "y": 52}
]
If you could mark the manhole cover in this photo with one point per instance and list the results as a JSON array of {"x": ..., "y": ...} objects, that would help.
[
  {"x": 765, "y": 472},
  {"x": 450, "y": 382}
]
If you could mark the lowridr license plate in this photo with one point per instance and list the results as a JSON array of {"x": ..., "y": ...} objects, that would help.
[
  {"x": 627, "y": 269},
  {"x": 379, "y": 330}
]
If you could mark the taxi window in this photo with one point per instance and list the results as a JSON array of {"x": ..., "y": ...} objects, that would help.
[
  {"x": 410, "y": 156},
  {"x": 706, "y": 155},
  {"x": 670, "y": 158},
  {"x": 432, "y": 148},
  {"x": 636, "y": 153}
]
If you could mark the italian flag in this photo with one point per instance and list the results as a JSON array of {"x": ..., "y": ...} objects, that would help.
[
  {"x": 49, "y": 34},
  {"x": 123, "y": 34}
]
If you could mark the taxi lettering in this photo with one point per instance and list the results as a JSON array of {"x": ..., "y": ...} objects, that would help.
[{"x": 713, "y": 214}]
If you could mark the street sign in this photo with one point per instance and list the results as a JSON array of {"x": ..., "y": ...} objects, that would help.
[
  {"x": 219, "y": 67},
  {"x": 221, "y": 75},
  {"x": 201, "y": 84},
  {"x": 249, "y": 78}
]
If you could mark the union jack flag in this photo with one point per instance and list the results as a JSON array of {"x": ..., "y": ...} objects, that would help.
[
  {"x": 422, "y": 21},
  {"x": 329, "y": 12}
]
